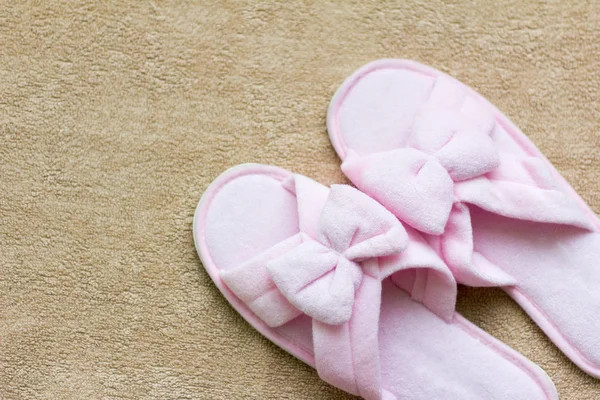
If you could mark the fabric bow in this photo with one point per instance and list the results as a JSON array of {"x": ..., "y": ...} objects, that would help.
[
  {"x": 319, "y": 275},
  {"x": 458, "y": 155},
  {"x": 450, "y": 142}
]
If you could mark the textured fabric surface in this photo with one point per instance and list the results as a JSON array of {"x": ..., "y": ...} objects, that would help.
[
  {"x": 115, "y": 118},
  {"x": 551, "y": 267}
]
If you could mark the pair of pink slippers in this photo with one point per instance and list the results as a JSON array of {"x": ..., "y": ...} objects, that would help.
[{"x": 361, "y": 283}]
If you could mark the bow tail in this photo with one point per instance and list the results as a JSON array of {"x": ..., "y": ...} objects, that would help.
[
  {"x": 423, "y": 274},
  {"x": 347, "y": 355},
  {"x": 252, "y": 284},
  {"x": 522, "y": 201},
  {"x": 470, "y": 267}
]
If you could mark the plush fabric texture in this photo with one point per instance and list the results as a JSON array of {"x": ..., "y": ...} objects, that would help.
[
  {"x": 116, "y": 116},
  {"x": 450, "y": 141},
  {"x": 319, "y": 275},
  {"x": 355, "y": 247},
  {"x": 470, "y": 157},
  {"x": 450, "y": 157}
]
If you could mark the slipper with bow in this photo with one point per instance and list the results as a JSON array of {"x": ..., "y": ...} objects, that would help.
[
  {"x": 334, "y": 278},
  {"x": 448, "y": 163}
]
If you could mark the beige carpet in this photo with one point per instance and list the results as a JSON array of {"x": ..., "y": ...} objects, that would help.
[{"x": 114, "y": 118}]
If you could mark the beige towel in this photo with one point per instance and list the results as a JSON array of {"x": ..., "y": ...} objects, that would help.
[{"x": 115, "y": 117}]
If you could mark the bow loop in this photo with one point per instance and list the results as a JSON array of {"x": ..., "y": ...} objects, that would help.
[
  {"x": 456, "y": 131},
  {"x": 353, "y": 224},
  {"x": 409, "y": 183}
]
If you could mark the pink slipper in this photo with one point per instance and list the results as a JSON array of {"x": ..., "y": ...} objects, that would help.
[
  {"x": 332, "y": 277},
  {"x": 449, "y": 164}
]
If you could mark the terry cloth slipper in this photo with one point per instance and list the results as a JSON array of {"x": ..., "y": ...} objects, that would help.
[
  {"x": 332, "y": 277},
  {"x": 448, "y": 163}
]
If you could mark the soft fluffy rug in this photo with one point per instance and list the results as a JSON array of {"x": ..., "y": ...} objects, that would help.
[{"x": 114, "y": 118}]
